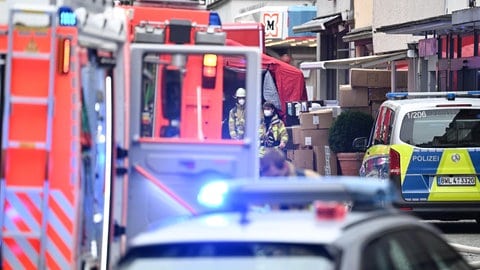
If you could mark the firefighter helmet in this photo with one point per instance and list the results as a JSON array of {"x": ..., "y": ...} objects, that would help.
[{"x": 241, "y": 92}]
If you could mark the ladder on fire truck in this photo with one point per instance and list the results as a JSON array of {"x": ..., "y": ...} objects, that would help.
[{"x": 25, "y": 189}]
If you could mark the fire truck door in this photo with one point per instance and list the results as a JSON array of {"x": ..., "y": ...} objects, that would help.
[{"x": 166, "y": 173}]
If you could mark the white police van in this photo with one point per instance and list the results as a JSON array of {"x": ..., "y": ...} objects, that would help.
[{"x": 428, "y": 144}]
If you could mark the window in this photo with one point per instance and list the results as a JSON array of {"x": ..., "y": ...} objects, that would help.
[
  {"x": 383, "y": 126},
  {"x": 411, "y": 249},
  {"x": 230, "y": 255},
  {"x": 441, "y": 128}
]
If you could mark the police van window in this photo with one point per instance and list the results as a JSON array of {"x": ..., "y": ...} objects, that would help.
[
  {"x": 382, "y": 131},
  {"x": 441, "y": 128},
  {"x": 378, "y": 126},
  {"x": 387, "y": 126}
]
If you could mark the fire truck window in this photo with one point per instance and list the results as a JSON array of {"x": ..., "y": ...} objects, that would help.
[
  {"x": 148, "y": 93},
  {"x": 190, "y": 96},
  {"x": 234, "y": 78}
]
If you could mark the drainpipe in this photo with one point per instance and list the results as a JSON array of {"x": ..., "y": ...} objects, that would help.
[
  {"x": 393, "y": 76},
  {"x": 412, "y": 54}
]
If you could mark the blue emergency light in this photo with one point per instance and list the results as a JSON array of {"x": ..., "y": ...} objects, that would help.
[
  {"x": 67, "y": 17},
  {"x": 397, "y": 95},
  {"x": 214, "y": 19},
  {"x": 447, "y": 95},
  {"x": 212, "y": 195},
  {"x": 474, "y": 93}
]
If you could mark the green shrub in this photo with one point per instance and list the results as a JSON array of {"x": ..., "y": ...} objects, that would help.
[{"x": 350, "y": 124}]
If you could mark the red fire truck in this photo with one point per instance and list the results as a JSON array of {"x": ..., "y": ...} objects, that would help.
[
  {"x": 111, "y": 120},
  {"x": 56, "y": 69}
]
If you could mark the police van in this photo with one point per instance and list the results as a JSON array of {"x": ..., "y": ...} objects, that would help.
[{"x": 429, "y": 145}]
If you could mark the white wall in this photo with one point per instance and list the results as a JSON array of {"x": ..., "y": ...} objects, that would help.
[
  {"x": 329, "y": 7},
  {"x": 453, "y": 5},
  {"x": 5, "y": 6},
  {"x": 363, "y": 12},
  {"x": 395, "y": 12},
  {"x": 233, "y": 8}
]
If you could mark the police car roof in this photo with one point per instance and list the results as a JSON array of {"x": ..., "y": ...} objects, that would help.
[
  {"x": 282, "y": 226},
  {"x": 276, "y": 226},
  {"x": 430, "y": 102}
]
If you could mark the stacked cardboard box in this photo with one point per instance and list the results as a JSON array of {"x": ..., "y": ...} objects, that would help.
[
  {"x": 375, "y": 78},
  {"x": 362, "y": 98},
  {"x": 310, "y": 142},
  {"x": 368, "y": 87}
]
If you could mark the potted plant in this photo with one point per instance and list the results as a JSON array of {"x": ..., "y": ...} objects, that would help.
[{"x": 350, "y": 124}]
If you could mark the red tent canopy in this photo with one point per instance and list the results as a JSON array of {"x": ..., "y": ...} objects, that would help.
[{"x": 288, "y": 79}]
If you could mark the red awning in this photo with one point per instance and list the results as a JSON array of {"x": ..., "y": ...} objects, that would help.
[{"x": 289, "y": 79}]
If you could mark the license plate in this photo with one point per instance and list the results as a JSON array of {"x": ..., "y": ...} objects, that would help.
[{"x": 456, "y": 180}]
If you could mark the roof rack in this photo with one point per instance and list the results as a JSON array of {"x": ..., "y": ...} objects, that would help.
[
  {"x": 447, "y": 95},
  {"x": 185, "y": 4},
  {"x": 363, "y": 194}
]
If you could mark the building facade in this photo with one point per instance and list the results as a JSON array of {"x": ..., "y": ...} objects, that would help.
[{"x": 435, "y": 40}]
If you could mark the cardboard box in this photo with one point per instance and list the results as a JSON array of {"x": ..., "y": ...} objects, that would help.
[
  {"x": 325, "y": 160},
  {"x": 301, "y": 158},
  {"x": 336, "y": 110},
  {"x": 352, "y": 97},
  {"x": 314, "y": 137},
  {"x": 294, "y": 135},
  {"x": 375, "y": 78},
  {"x": 316, "y": 119}
]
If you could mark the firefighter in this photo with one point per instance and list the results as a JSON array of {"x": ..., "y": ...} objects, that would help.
[
  {"x": 273, "y": 133},
  {"x": 236, "y": 116}
]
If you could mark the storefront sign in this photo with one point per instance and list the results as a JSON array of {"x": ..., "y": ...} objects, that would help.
[{"x": 273, "y": 22}]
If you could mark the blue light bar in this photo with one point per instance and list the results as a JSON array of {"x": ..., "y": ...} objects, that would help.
[
  {"x": 67, "y": 17},
  {"x": 397, "y": 95},
  {"x": 447, "y": 95},
  {"x": 364, "y": 193},
  {"x": 474, "y": 93}
]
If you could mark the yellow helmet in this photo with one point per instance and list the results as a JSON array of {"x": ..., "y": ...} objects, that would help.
[{"x": 241, "y": 92}]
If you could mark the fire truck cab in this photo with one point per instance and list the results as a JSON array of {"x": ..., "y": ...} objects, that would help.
[{"x": 112, "y": 120}]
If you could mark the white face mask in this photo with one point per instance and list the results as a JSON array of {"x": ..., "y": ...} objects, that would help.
[
  {"x": 241, "y": 101},
  {"x": 267, "y": 113}
]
